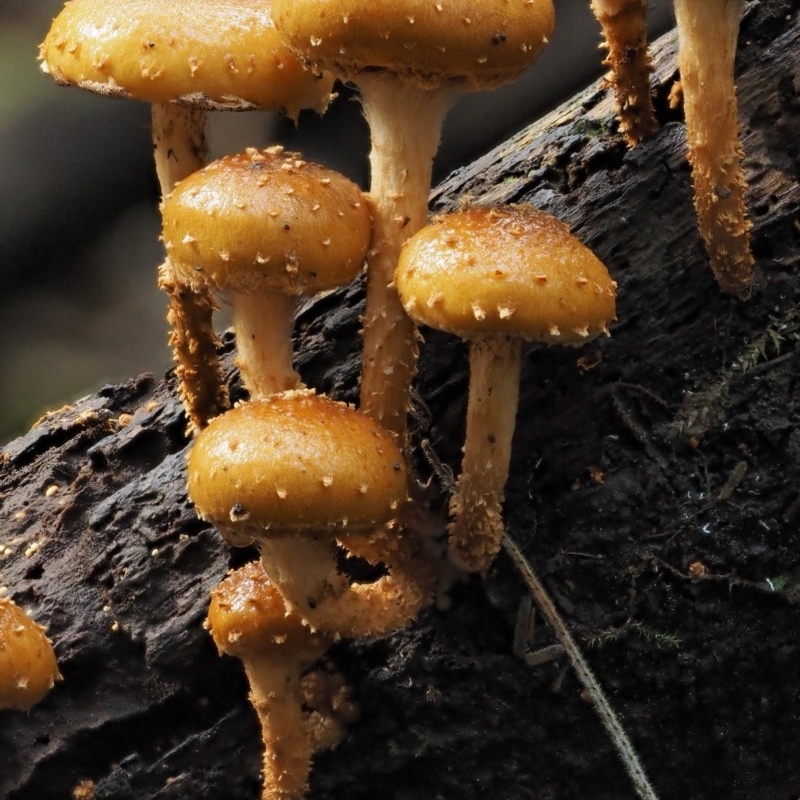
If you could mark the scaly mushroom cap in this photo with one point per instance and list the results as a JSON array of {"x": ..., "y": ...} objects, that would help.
[
  {"x": 505, "y": 271},
  {"x": 247, "y": 615},
  {"x": 476, "y": 45},
  {"x": 222, "y": 54},
  {"x": 295, "y": 462},
  {"x": 28, "y": 666},
  {"x": 266, "y": 220}
]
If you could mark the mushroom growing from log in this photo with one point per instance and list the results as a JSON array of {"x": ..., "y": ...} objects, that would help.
[
  {"x": 247, "y": 619},
  {"x": 295, "y": 473},
  {"x": 498, "y": 277},
  {"x": 707, "y": 33},
  {"x": 184, "y": 59},
  {"x": 624, "y": 24},
  {"x": 409, "y": 60},
  {"x": 28, "y": 669},
  {"x": 262, "y": 228}
]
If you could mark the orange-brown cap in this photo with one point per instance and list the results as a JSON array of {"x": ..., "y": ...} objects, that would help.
[
  {"x": 221, "y": 54},
  {"x": 28, "y": 666},
  {"x": 266, "y": 220},
  {"x": 475, "y": 44},
  {"x": 247, "y": 615},
  {"x": 505, "y": 271},
  {"x": 295, "y": 462}
]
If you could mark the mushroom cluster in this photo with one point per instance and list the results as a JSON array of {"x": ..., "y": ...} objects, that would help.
[
  {"x": 409, "y": 60},
  {"x": 313, "y": 483},
  {"x": 303, "y": 477}
]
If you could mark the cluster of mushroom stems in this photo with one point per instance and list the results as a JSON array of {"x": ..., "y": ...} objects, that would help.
[
  {"x": 707, "y": 37},
  {"x": 306, "y": 478}
]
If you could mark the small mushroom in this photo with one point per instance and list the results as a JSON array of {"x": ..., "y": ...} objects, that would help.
[
  {"x": 262, "y": 228},
  {"x": 28, "y": 668},
  {"x": 247, "y": 619},
  {"x": 498, "y": 277},
  {"x": 184, "y": 59},
  {"x": 409, "y": 60},
  {"x": 624, "y": 24},
  {"x": 296, "y": 472},
  {"x": 707, "y": 33}
]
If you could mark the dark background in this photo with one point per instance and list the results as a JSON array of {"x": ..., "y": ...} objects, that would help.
[{"x": 78, "y": 218}]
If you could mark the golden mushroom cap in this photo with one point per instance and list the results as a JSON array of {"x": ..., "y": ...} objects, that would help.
[
  {"x": 28, "y": 666},
  {"x": 505, "y": 271},
  {"x": 247, "y": 615},
  {"x": 475, "y": 44},
  {"x": 266, "y": 220},
  {"x": 221, "y": 54},
  {"x": 295, "y": 462}
]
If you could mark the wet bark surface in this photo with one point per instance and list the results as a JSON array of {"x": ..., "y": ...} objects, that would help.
[{"x": 655, "y": 487}]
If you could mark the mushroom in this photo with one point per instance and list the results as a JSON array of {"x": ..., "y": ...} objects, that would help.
[
  {"x": 624, "y": 27},
  {"x": 247, "y": 619},
  {"x": 409, "y": 60},
  {"x": 28, "y": 668},
  {"x": 498, "y": 277},
  {"x": 296, "y": 472},
  {"x": 183, "y": 59},
  {"x": 707, "y": 33},
  {"x": 262, "y": 228}
]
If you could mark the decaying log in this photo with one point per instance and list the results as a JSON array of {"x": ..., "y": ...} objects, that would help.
[{"x": 655, "y": 486}]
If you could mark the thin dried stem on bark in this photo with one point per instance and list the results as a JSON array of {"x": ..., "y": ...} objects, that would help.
[{"x": 604, "y": 710}]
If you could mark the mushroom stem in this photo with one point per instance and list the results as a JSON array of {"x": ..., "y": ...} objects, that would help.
[
  {"x": 179, "y": 142},
  {"x": 194, "y": 347},
  {"x": 304, "y": 590},
  {"x": 707, "y": 33},
  {"x": 326, "y": 599},
  {"x": 624, "y": 26},
  {"x": 476, "y": 508},
  {"x": 405, "y": 123},
  {"x": 247, "y": 619},
  {"x": 263, "y": 327},
  {"x": 277, "y": 697},
  {"x": 179, "y": 149}
]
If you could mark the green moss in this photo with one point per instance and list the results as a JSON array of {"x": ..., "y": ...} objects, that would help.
[{"x": 588, "y": 127}]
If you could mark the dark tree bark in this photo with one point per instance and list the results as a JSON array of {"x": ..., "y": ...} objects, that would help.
[{"x": 655, "y": 487}]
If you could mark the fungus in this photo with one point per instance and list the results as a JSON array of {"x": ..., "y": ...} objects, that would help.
[
  {"x": 624, "y": 27},
  {"x": 247, "y": 619},
  {"x": 499, "y": 276},
  {"x": 262, "y": 228},
  {"x": 183, "y": 59},
  {"x": 707, "y": 33},
  {"x": 28, "y": 668},
  {"x": 409, "y": 60},
  {"x": 295, "y": 473}
]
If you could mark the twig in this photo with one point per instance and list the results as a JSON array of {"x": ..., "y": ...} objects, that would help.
[{"x": 585, "y": 674}]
